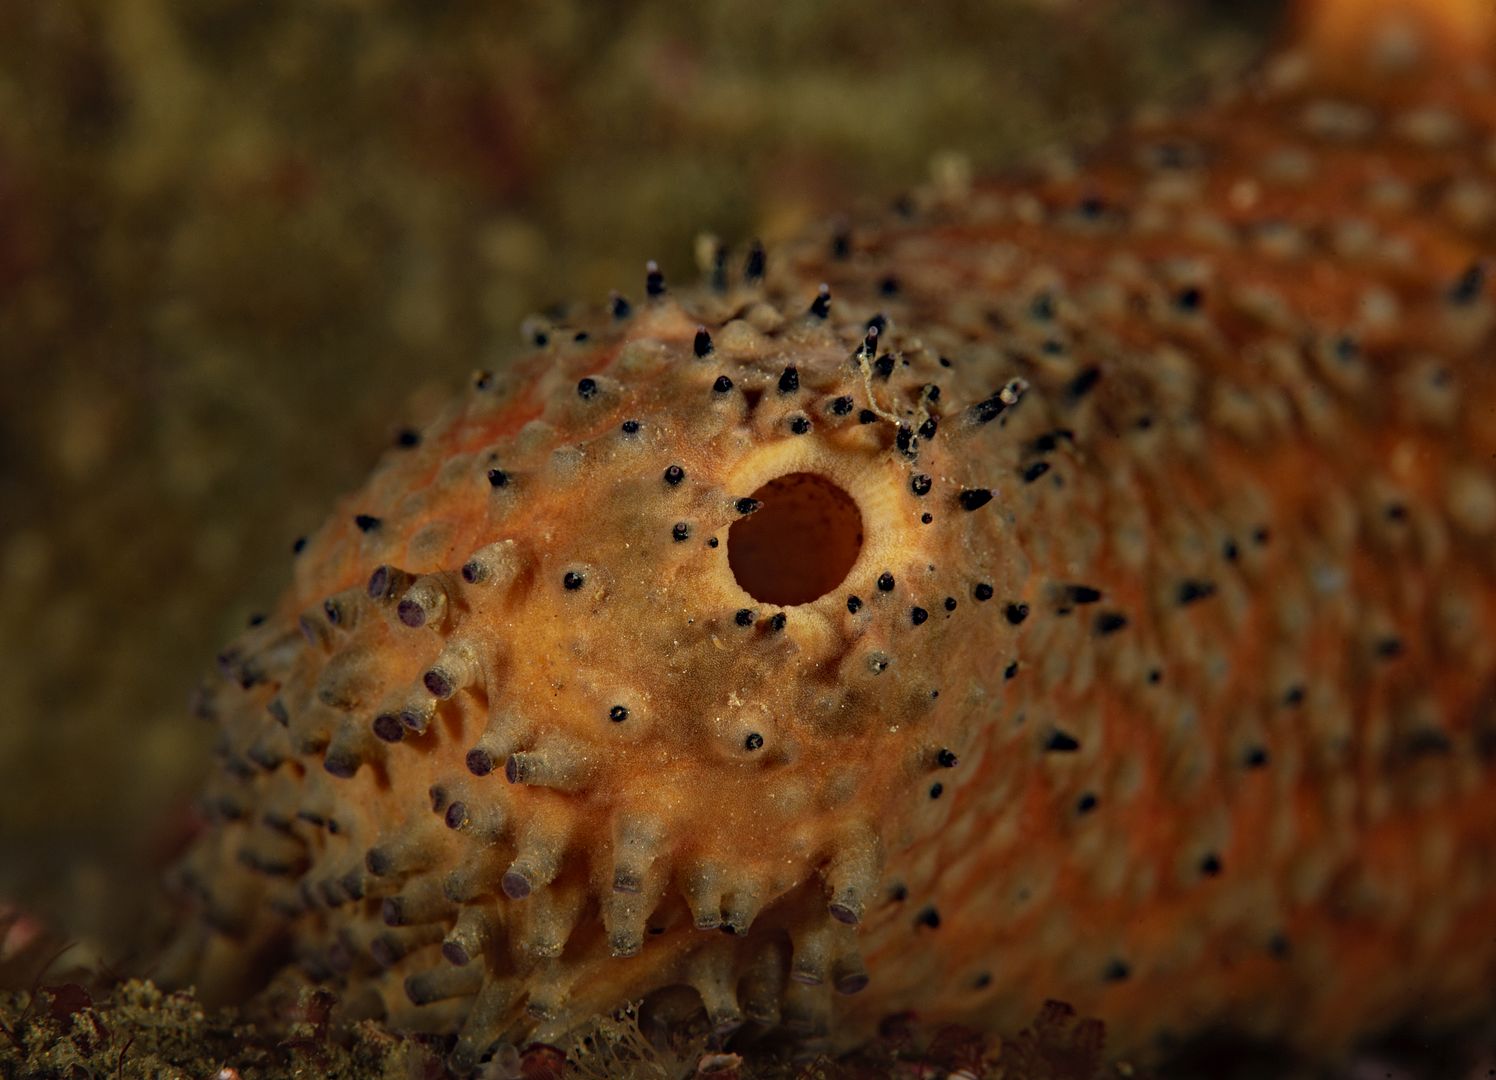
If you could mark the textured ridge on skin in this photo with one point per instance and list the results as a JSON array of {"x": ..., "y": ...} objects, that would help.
[{"x": 1162, "y": 682}]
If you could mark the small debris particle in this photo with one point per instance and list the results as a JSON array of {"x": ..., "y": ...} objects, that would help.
[
  {"x": 1061, "y": 742},
  {"x": 1116, "y": 971},
  {"x": 1192, "y": 589},
  {"x": 753, "y": 265},
  {"x": 1083, "y": 384},
  {"x": 654, "y": 279},
  {"x": 820, "y": 307}
]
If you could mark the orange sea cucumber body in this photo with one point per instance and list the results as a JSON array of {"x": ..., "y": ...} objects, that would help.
[{"x": 1127, "y": 635}]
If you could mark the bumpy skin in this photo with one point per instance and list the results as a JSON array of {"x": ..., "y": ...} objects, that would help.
[{"x": 1163, "y": 681}]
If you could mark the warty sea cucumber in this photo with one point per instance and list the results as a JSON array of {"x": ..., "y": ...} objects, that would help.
[{"x": 1088, "y": 592}]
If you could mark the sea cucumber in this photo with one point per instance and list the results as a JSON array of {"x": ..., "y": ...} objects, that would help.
[{"x": 1079, "y": 585}]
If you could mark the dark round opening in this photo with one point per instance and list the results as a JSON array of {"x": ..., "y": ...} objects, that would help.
[{"x": 800, "y": 543}]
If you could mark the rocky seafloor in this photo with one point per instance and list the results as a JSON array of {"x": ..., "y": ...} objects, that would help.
[{"x": 243, "y": 243}]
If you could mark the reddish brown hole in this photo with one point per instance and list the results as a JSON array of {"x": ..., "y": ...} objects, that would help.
[{"x": 800, "y": 544}]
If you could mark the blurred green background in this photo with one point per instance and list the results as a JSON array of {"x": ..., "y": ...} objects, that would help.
[{"x": 243, "y": 242}]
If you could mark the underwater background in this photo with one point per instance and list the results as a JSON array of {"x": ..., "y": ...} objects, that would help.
[{"x": 245, "y": 243}]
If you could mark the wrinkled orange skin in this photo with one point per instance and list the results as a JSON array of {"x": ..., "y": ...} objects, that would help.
[{"x": 1241, "y": 778}]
